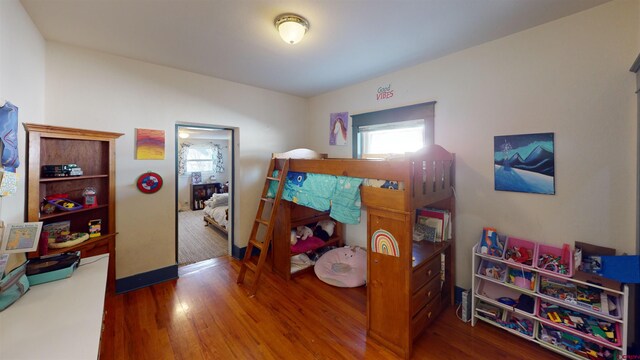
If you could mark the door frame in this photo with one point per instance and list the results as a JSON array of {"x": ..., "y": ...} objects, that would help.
[{"x": 232, "y": 181}]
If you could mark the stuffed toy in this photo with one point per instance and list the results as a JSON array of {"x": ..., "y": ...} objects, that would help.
[
  {"x": 324, "y": 229},
  {"x": 389, "y": 184},
  {"x": 303, "y": 232},
  {"x": 296, "y": 178},
  {"x": 294, "y": 237}
]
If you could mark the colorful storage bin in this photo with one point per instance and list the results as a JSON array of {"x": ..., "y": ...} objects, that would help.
[
  {"x": 522, "y": 278},
  {"x": 575, "y": 345},
  {"x": 582, "y": 296},
  {"x": 580, "y": 323},
  {"x": 520, "y": 251},
  {"x": 492, "y": 270},
  {"x": 555, "y": 260},
  {"x": 507, "y": 296}
]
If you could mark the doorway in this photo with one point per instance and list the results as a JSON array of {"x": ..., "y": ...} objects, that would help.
[{"x": 204, "y": 192}]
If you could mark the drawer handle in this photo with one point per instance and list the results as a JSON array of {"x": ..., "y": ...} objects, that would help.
[
  {"x": 429, "y": 315},
  {"x": 429, "y": 293},
  {"x": 429, "y": 272}
]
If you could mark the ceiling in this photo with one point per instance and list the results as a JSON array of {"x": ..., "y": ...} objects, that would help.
[{"x": 349, "y": 41}]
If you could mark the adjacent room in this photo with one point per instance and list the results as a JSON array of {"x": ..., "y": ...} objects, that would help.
[
  {"x": 208, "y": 179},
  {"x": 203, "y": 159}
]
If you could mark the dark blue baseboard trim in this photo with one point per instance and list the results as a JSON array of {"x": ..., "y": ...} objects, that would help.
[
  {"x": 148, "y": 278},
  {"x": 238, "y": 252}
]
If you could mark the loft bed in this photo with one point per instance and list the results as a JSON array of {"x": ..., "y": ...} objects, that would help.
[{"x": 403, "y": 291}]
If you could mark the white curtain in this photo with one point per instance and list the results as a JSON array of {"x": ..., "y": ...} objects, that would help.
[{"x": 182, "y": 158}]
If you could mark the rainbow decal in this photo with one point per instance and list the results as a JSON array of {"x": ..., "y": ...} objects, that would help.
[{"x": 384, "y": 243}]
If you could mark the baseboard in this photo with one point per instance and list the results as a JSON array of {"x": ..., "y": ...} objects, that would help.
[
  {"x": 148, "y": 278},
  {"x": 238, "y": 252}
]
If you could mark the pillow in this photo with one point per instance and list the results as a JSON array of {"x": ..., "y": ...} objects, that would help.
[
  {"x": 218, "y": 200},
  {"x": 310, "y": 243},
  {"x": 343, "y": 267}
]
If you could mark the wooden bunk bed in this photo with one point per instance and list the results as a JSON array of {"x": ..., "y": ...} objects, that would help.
[{"x": 408, "y": 283}]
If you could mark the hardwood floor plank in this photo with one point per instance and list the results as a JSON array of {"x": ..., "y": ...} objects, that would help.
[{"x": 206, "y": 315}]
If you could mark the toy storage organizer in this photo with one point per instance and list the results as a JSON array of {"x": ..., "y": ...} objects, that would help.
[{"x": 574, "y": 318}]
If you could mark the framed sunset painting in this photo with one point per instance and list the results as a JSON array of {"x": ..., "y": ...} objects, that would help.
[{"x": 149, "y": 144}]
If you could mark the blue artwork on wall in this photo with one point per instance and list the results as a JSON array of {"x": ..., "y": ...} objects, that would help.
[{"x": 524, "y": 163}]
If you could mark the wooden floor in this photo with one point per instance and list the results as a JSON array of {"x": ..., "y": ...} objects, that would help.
[{"x": 205, "y": 315}]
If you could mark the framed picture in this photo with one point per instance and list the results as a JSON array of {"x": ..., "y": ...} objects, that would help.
[
  {"x": 149, "y": 144},
  {"x": 196, "y": 177},
  {"x": 18, "y": 238},
  {"x": 524, "y": 163},
  {"x": 338, "y": 123}
]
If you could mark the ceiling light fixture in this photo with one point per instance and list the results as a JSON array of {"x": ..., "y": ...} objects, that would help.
[
  {"x": 183, "y": 135},
  {"x": 291, "y": 27}
]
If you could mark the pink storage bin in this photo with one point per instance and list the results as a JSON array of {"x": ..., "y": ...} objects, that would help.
[
  {"x": 520, "y": 251},
  {"x": 550, "y": 259},
  {"x": 542, "y": 315}
]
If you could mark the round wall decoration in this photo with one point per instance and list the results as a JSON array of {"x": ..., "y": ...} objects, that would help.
[{"x": 149, "y": 182}]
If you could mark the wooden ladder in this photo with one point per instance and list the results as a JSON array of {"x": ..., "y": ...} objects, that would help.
[{"x": 267, "y": 225}]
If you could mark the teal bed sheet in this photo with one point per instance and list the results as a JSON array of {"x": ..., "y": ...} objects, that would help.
[{"x": 339, "y": 194}]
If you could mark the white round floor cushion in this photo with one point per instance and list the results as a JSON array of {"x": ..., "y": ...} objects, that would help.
[{"x": 343, "y": 267}]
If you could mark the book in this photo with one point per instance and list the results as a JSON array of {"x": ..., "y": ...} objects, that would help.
[
  {"x": 433, "y": 231},
  {"x": 438, "y": 218}
]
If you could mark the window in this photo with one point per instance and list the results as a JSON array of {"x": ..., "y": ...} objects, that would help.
[
  {"x": 200, "y": 158},
  {"x": 389, "y": 132}
]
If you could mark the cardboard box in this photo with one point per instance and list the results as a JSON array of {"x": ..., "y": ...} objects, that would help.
[{"x": 594, "y": 250}]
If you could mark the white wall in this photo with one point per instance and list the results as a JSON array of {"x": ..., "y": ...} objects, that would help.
[
  {"x": 87, "y": 89},
  {"x": 184, "y": 181},
  {"x": 570, "y": 77},
  {"x": 22, "y": 79}
]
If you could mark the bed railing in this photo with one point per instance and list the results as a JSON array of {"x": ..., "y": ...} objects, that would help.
[{"x": 427, "y": 175}]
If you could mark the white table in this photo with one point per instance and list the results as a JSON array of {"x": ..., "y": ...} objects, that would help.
[{"x": 60, "y": 319}]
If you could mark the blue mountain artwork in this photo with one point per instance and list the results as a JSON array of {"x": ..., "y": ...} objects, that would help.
[
  {"x": 526, "y": 167},
  {"x": 539, "y": 161}
]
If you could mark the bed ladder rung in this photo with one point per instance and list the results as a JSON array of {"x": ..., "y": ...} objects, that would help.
[
  {"x": 251, "y": 266},
  {"x": 265, "y": 216},
  {"x": 257, "y": 244}
]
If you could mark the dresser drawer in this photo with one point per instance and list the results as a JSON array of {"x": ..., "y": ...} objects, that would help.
[
  {"x": 425, "y": 316},
  {"x": 425, "y": 294},
  {"x": 425, "y": 273}
]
